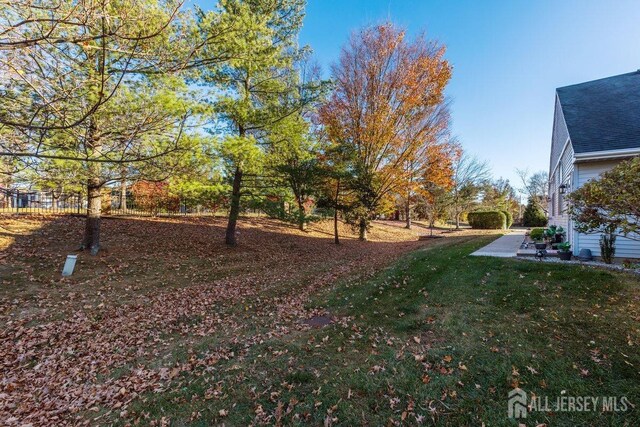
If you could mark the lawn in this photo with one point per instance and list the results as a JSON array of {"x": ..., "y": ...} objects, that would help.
[
  {"x": 439, "y": 338},
  {"x": 177, "y": 330}
]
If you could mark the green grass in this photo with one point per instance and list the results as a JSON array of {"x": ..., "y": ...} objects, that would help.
[{"x": 439, "y": 338}]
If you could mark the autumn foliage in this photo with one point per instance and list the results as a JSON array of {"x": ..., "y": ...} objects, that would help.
[
  {"x": 154, "y": 197},
  {"x": 387, "y": 109},
  {"x": 610, "y": 204}
]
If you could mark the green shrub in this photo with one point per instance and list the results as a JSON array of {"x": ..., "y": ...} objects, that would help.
[
  {"x": 275, "y": 209},
  {"x": 488, "y": 220},
  {"x": 509, "y": 217},
  {"x": 533, "y": 215},
  {"x": 537, "y": 234}
]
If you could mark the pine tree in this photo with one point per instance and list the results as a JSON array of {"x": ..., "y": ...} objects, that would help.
[
  {"x": 256, "y": 85},
  {"x": 94, "y": 88},
  {"x": 533, "y": 215}
]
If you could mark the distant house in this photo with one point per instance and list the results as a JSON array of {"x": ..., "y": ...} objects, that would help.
[{"x": 595, "y": 126}]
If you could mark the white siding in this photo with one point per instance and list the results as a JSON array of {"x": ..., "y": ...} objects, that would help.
[
  {"x": 592, "y": 170},
  {"x": 559, "y": 136},
  {"x": 561, "y": 154},
  {"x": 563, "y": 173},
  {"x": 625, "y": 248}
]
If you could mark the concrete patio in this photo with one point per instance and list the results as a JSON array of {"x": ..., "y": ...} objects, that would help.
[{"x": 506, "y": 246}]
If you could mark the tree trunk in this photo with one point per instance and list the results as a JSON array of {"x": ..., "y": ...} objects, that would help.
[
  {"x": 302, "y": 224},
  {"x": 123, "y": 195},
  {"x": 230, "y": 236},
  {"x": 336, "y": 201},
  {"x": 336, "y": 238},
  {"x": 407, "y": 213},
  {"x": 363, "y": 229},
  {"x": 456, "y": 213},
  {"x": 407, "y": 208},
  {"x": 91, "y": 239}
]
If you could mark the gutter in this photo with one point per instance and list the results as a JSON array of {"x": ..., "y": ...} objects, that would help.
[{"x": 606, "y": 154}]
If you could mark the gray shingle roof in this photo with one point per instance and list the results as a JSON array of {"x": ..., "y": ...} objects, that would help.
[{"x": 603, "y": 114}]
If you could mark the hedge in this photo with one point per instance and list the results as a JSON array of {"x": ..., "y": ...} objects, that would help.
[
  {"x": 509, "y": 217},
  {"x": 490, "y": 220},
  {"x": 537, "y": 234}
]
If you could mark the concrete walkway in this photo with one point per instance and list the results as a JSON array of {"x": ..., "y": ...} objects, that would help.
[{"x": 504, "y": 247}]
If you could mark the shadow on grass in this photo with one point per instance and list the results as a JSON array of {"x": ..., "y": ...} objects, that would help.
[
  {"x": 161, "y": 291},
  {"x": 155, "y": 250}
]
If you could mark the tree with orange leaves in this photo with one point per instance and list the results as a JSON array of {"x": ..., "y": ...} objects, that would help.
[
  {"x": 430, "y": 166},
  {"x": 437, "y": 180},
  {"x": 387, "y": 104}
]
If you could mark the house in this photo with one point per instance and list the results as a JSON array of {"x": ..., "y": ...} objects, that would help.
[{"x": 595, "y": 126}]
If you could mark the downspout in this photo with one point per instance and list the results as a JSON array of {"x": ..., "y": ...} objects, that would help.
[{"x": 575, "y": 236}]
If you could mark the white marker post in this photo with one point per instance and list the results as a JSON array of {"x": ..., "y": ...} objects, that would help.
[{"x": 69, "y": 265}]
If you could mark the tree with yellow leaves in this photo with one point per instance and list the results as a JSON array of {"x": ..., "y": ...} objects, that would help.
[{"x": 387, "y": 104}]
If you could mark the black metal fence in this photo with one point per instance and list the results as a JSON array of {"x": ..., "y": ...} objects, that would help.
[
  {"x": 17, "y": 201},
  {"x": 24, "y": 201},
  {"x": 152, "y": 204}
]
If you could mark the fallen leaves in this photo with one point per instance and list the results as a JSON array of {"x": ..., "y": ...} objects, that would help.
[{"x": 96, "y": 341}]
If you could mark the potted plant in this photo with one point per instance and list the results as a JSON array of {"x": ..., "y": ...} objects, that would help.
[
  {"x": 536, "y": 235},
  {"x": 564, "y": 251},
  {"x": 539, "y": 243},
  {"x": 560, "y": 233}
]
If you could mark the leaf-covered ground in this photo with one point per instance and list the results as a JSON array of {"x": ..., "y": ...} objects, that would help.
[
  {"x": 164, "y": 298},
  {"x": 440, "y": 338},
  {"x": 175, "y": 329}
]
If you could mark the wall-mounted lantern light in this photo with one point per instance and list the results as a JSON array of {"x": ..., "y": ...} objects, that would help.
[{"x": 563, "y": 188}]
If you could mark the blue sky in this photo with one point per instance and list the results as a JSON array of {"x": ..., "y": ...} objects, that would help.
[{"x": 508, "y": 57}]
